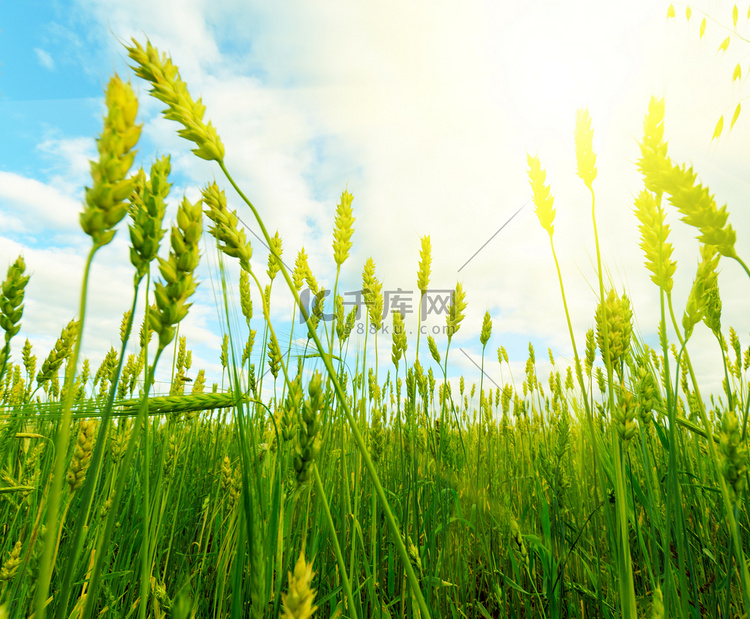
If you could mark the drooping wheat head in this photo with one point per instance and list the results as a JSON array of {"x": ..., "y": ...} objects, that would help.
[
  {"x": 692, "y": 200},
  {"x": 229, "y": 238},
  {"x": 705, "y": 281},
  {"x": 433, "y": 349},
  {"x": 168, "y": 87},
  {"x": 11, "y": 564}
]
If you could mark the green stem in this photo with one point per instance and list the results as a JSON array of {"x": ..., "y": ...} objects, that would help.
[
  {"x": 390, "y": 519},
  {"x": 742, "y": 264},
  {"x": 335, "y": 540},
  {"x": 46, "y": 565},
  {"x": 87, "y": 491},
  {"x": 102, "y": 553},
  {"x": 627, "y": 589}
]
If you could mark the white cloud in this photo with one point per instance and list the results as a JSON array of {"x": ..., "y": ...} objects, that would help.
[
  {"x": 45, "y": 59},
  {"x": 68, "y": 159},
  {"x": 428, "y": 113},
  {"x": 36, "y": 204}
]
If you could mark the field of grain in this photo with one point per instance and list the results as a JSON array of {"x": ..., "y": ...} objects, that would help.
[{"x": 329, "y": 486}]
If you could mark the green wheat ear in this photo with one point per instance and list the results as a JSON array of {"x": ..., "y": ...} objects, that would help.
[
  {"x": 733, "y": 455},
  {"x": 179, "y": 282},
  {"x": 105, "y": 204},
  {"x": 59, "y": 353},
  {"x": 300, "y": 267},
  {"x": 343, "y": 229},
  {"x": 484, "y": 336},
  {"x": 434, "y": 350},
  {"x": 11, "y": 307},
  {"x": 398, "y": 349},
  {"x": 372, "y": 292},
  {"x": 148, "y": 205},
  {"x": 229, "y": 238},
  {"x": 456, "y": 311},
  {"x": 705, "y": 281},
  {"x": 654, "y": 164},
  {"x": 615, "y": 310},
  {"x": 168, "y": 87}
]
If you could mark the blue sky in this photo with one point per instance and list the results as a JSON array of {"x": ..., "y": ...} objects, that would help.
[{"x": 425, "y": 113}]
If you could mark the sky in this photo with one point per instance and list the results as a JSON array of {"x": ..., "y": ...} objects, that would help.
[{"x": 425, "y": 112}]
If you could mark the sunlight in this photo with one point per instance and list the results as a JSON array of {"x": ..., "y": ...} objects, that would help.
[{"x": 564, "y": 63}]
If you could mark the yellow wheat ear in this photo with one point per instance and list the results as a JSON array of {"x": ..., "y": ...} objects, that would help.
[
  {"x": 425, "y": 262},
  {"x": 298, "y": 603},
  {"x": 543, "y": 200},
  {"x": 654, "y": 234},
  {"x": 693, "y": 200},
  {"x": 456, "y": 311},
  {"x": 343, "y": 228},
  {"x": 372, "y": 292},
  {"x": 585, "y": 156}
]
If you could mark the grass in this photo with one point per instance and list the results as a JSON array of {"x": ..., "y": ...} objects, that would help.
[{"x": 347, "y": 489}]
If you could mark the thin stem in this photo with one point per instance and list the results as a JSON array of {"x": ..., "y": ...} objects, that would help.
[
  {"x": 627, "y": 589},
  {"x": 101, "y": 555},
  {"x": 390, "y": 519},
  {"x": 335, "y": 540},
  {"x": 96, "y": 458},
  {"x": 46, "y": 564}
]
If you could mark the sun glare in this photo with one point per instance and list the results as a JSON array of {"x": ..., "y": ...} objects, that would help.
[{"x": 561, "y": 65}]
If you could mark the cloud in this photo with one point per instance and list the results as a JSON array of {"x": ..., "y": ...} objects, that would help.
[
  {"x": 428, "y": 113},
  {"x": 34, "y": 204},
  {"x": 44, "y": 59},
  {"x": 68, "y": 160}
]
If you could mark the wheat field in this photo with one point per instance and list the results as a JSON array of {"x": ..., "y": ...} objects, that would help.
[{"x": 325, "y": 485}]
